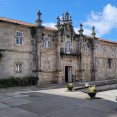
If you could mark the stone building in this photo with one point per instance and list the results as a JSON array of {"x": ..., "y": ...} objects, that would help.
[{"x": 54, "y": 55}]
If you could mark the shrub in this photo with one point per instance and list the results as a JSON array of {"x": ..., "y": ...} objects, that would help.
[{"x": 11, "y": 82}]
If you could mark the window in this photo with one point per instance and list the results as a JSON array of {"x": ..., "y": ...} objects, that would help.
[
  {"x": 46, "y": 42},
  {"x": 47, "y": 65},
  {"x": 85, "y": 66},
  {"x": 97, "y": 62},
  {"x": 104, "y": 49},
  {"x": 67, "y": 46},
  {"x": 18, "y": 67},
  {"x": 113, "y": 51},
  {"x": 85, "y": 47},
  {"x": 96, "y": 48},
  {"x": 19, "y": 36}
]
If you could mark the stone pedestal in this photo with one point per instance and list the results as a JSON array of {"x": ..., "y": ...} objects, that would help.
[
  {"x": 40, "y": 81},
  {"x": 59, "y": 77}
]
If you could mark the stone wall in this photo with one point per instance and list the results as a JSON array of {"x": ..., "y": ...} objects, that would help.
[
  {"x": 103, "y": 71},
  {"x": 14, "y": 53},
  {"x": 51, "y": 64},
  {"x": 47, "y": 59}
]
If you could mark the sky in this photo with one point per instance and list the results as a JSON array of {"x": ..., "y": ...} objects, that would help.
[{"x": 99, "y": 13}]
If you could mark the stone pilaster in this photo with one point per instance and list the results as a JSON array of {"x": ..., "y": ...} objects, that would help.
[
  {"x": 39, "y": 53},
  {"x": 58, "y": 62},
  {"x": 92, "y": 49},
  {"x": 80, "y": 52},
  {"x": 35, "y": 57}
]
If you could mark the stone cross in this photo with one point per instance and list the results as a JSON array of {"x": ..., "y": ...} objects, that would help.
[
  {"x": 63, "y": 17},
  {"x": 39, "y": 21},
  {"x": 81, "y": 26},
  {"x": 93, "y": 31},
  {"x": 70, "y": 20},
  {"x": 81, "y": 29},
  {"x": 58, "y": 21},
  {"x": 67, "y": 15},
  {"x": 39, "y": 15}
]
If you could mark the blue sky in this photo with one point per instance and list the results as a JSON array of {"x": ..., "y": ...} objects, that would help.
[{"x": 100, "y": 13}]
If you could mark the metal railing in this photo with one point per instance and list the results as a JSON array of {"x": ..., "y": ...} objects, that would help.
[{"x": 73, "y": 52}]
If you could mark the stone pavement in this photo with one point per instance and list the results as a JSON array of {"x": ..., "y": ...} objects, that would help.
[{"x": 55, "y": 102}]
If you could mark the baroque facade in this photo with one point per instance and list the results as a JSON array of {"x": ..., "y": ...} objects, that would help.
[{"x": 54, "y": 55}]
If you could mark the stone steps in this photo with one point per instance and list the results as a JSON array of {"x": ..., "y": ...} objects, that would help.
[
  {"x": 99, "y": 88},
  {"x": 96, "y": 83}
]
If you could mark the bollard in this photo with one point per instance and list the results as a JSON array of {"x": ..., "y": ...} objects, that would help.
[{"x": 116, "y": 98}]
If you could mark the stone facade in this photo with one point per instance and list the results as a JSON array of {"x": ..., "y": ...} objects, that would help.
[
  {"x": 54, "y": 55},
  {"x": 13, "y": 53}
]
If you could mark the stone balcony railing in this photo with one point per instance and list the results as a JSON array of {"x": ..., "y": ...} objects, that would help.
[{"x": 72, "y": 52}]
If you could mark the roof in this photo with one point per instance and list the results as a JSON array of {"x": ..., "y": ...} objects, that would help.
[
  {"x": 47, "y": 28},
  {"x": 104, "y": 40},
  {"x": 22, "y": 23}
]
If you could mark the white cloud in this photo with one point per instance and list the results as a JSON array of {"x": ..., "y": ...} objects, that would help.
[
  {"x": 51, "y": 24},
  {"x": 104, "y": 22},
  {"x": 76, "y": 30},
  {"x": 87, "y": 31}
]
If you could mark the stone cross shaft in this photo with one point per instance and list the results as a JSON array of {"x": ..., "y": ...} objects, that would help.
[
  {"x": 93, "y": 31},
  {"x": 81, "y": 29}
]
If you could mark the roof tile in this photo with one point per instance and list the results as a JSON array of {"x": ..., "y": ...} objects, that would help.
[
  {"x": 22, "y": 23},
  {"x": 48, "y": 28}
]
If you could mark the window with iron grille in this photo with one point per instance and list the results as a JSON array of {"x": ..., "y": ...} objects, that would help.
[
  {"x": 96, "y": 48},
  {"x": 19, "y": 38},
  {"x": 46, "y": 42},
  {"x": 97, "y": 63},
  {"x": 113, "y": 51},
  {"x": 85, "y": 47},
  {"x": 67, "y": 50},
  {"x": 104, "y": 49},
  {"x": 18, "y": 67}
]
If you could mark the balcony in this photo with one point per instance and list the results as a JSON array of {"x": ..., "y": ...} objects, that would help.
[{"x": 72, "y": 52}]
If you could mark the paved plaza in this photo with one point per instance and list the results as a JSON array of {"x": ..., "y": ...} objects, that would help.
[{"x": 35, "y": 101}]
